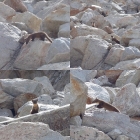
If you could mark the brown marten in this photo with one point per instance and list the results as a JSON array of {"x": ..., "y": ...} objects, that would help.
[
  {"x": 103, "y": 104},
  {"x": 35, "y": 107},
  {"x": 40, "y": 35},
  {"x": 115, "y": 40}
]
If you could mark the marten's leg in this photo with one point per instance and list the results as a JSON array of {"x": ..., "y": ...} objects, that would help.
[
  {"x": 100, "y": 105},
  {"x": 33, "y": 38},
  {"x": 42, "y": 37}
]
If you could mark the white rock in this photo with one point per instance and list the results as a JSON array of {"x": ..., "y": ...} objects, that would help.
[
  {"x": 47, "y": 86},
  {"x": 59, "y": 51},
  {"x": 64, "y": 30},
  {"x": 2, "y": 118},
  {"x": 30, "y": 131},
  {"x": 6, "y": 112},
  {"x": 135, "y": 42},
  {"x": 128, "y": 76},
  {"x": 114, "y": 133},
  {"x": 127, "y": 100},
  {"x": 17, "y": 86},
  {"x": 110, "y": 121},
  {"x": 32, "y": 55},
  {"x": 96, "y": 91},
  {"x": 87, "y": 133},
  {"x": 127, "y": 65},
  {"x": 9, "y": 36},
  {"x": 77, "y": 121},
  {"x": 56, "y": 66},
  {"x": 84, "y": 75}
]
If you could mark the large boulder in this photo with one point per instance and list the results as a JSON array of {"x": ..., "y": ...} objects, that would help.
[
  {"x": 32, "y": 55},
  {"x": 9, "y": 36},
  {"x": 31, "y": 20}
]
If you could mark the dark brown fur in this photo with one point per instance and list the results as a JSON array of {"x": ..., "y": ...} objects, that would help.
[
  {"x": 35, "y": 107},
  {"x": 40, "y": 35},
  {"x": 115, "y": 40},
  {"x": 105, "y": 105}
]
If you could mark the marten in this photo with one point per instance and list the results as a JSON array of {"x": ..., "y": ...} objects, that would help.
[
  {"x": 40, "y": 35},
  {"x": 35, "y": 107},
  {"x": 114, "y": 39},
  {"x": 103, "y": 104}
]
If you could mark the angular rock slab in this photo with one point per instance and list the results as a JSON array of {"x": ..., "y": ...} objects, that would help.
[
  {"x": 107, "y": 121},
  {"x": 29, "y": 131},
  {"x": 87, "y": 133},
  {"x": 57, "y": 119}
]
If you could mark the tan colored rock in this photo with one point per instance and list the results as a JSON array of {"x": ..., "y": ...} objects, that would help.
[
  {"x": 56, "y": 18},
  {"x": 32, "y": 55},
  {"x": 21, "y": 99},
  {"x": 31, "y": 20},
  {"x": 84, "y": 30},
  {"x": 8, "y": 12},
  {"x": 108, "y": 29},
  {"x": 17, "y": 5},
  {"x": 78, "y": 97}
]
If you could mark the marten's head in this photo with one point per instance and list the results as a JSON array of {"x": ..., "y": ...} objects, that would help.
[{"x": 35, "y": 101}]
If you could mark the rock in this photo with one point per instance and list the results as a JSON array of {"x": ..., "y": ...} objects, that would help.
[
  {"x": 87, "y": 133},
  {"x": 127, "y": 65},
  {"x": 2, "y": 118},
  {"x": 78, "y": 97},
  {"x": 89, "y": 49},
  {"x": 17, "y": 5},
  {"x": 21, "y": 99},
  {"x": 77, "y": 121},
  {"x": 84, "y": 75},
  {"x": 56, "y": 18},
  {"x": 31, "y": 20},
  {"x": 7, "y": 51},
  {"x": 114, "y": 133},
  {"x": 26, "y": 108},
  {"x": 8, "y": 11},
  {"x": 47, "y": 86},
  {"x": 35, "y": 51},
  {"x": 64, "y": 30},
  {"x": 96, "y": 91},
  {"x": 6, "y": 112},
  {"x": 29, "y": 130},
  {"x": 135, "y": 42},
  {"x": 110, "y": 121},
  {"x": 59, "y": 51},
  {"x": 114, "y": 55},
  {"x": 6, "y": 100},
  {"x": 17, "y": 86},
  {"x": 22, "y": 26},
  {"x": 56, "y": 66},
  {"x": 84, "y": 30},
  {"x": 127, "y": 100},
  {"x": 128, "y": 76},
  {"x": 59, "y": 116},
  {"x": 119, "y": 53},
  {"x": 123, "y": 137}
]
